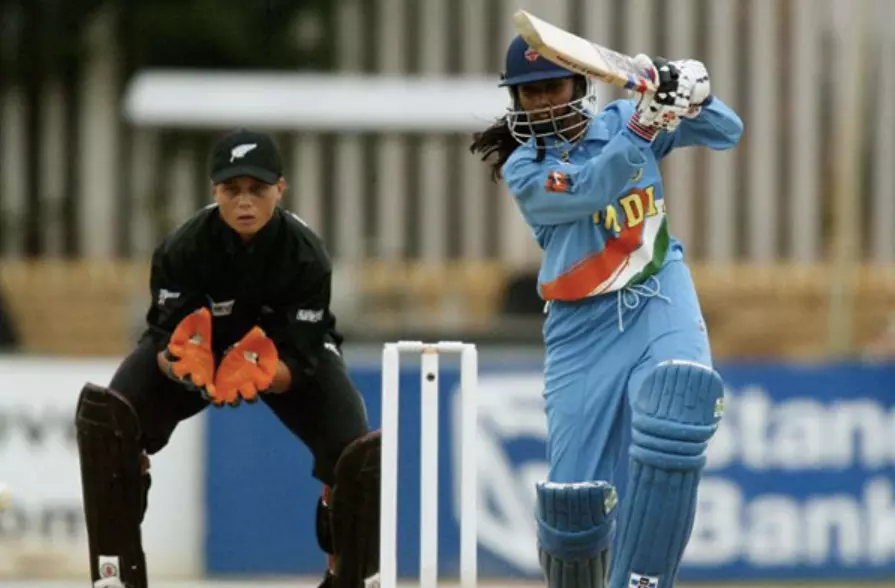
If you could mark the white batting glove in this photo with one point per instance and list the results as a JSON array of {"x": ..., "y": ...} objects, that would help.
[
  {"x": 693, "y": 84},
  {"x": 661, "y": 108}
]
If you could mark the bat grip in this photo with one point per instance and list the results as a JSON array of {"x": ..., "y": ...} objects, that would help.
[{"x": 640, "y": 84}]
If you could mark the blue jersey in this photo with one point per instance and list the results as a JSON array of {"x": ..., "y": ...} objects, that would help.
[{"x": 598, "y": 210}]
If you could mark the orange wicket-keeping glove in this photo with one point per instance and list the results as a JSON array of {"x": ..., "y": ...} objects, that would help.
[
  {"x": 191, "y": 360},
  {"x": 247, "y": 369}
]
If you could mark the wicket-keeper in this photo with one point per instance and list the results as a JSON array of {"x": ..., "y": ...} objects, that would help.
[{"x": 240, "y": 312}]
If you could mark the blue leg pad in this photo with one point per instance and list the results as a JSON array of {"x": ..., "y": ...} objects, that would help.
[
  {"x": 576, "y": 523},
  {"x": 673, "y": 417}
]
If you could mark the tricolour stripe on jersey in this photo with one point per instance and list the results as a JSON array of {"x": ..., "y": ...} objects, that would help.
[{"x": 635, "y": 254}]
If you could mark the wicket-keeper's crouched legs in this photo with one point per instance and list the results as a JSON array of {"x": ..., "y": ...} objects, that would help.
[
  {"x": 329, "y": 416},
  {"x": 117, "y": 426}
]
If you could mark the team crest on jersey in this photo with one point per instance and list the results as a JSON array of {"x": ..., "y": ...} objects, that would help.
[
  {"x": 557, "y": 181},
  {"x": 531, "y": 55}
]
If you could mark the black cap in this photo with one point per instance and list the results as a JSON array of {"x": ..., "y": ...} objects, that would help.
[{"x": 246, "y": 153}]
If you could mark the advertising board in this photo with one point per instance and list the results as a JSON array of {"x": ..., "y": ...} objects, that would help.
[
  {"x": 43, "y": 534},
  {"x": 799, "y": 482}
]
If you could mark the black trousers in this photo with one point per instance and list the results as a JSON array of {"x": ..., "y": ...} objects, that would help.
[{"x": 326, "y": 413}]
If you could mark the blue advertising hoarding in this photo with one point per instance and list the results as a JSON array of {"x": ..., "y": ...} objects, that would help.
[{"x": 799, "y": 482}]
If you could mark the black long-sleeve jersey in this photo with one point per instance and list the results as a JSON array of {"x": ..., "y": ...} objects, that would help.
[{"x": 280, "y": 280}]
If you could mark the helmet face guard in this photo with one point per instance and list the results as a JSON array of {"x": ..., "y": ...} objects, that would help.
[{"x": 567, "y": 122}]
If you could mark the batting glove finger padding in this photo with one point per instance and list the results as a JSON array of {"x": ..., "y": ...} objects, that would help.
[
  {"x": 694, "y": 83},
  {"x": 660, "y": 108}
]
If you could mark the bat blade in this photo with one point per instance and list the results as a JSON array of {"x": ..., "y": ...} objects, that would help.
[{"x": 580, "y": 55}]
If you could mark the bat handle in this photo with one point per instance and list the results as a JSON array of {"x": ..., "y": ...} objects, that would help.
[{"x": 640, "y": 84}]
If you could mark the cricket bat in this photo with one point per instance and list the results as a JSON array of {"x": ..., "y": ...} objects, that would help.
[{"x": 580, "y": 55}]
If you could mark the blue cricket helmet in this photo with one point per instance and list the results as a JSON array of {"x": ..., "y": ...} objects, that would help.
[
  {"x": 567, "y": 122},
  {"x": 525, "y": 65}
]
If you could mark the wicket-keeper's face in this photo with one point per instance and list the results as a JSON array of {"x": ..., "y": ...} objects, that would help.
[{"x": 247, "y": 204}]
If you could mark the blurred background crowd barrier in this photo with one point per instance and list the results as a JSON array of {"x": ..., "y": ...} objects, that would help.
[{"x": 108, "y": 109}]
